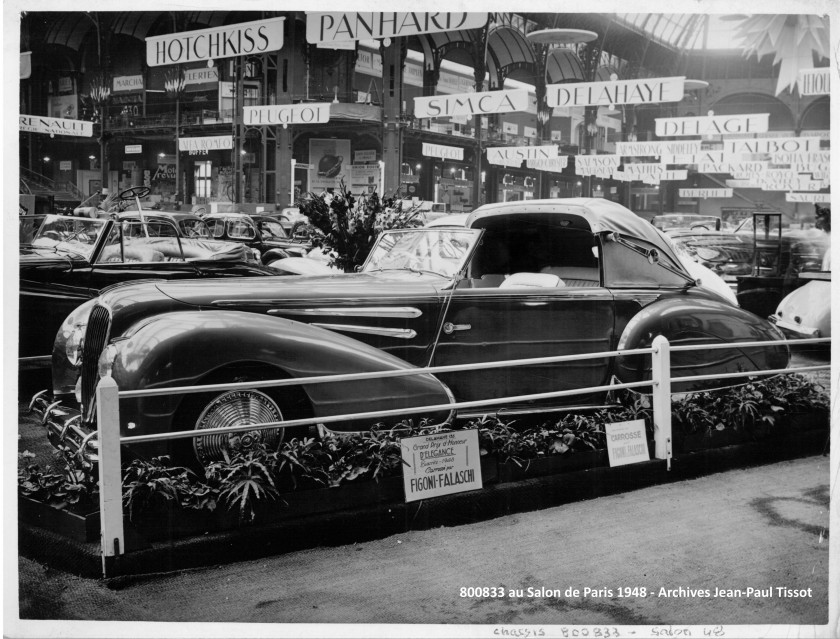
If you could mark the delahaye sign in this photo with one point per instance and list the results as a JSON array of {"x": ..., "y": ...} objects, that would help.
[
  {"x": 646, "y": 91},
  {"x": 246, "y": 38},
  {"x": 343, "y": 27},
  {"x": 316, "y": 112},
  {"x": 483, "y": 103},
  {"x": 55, "y": 126}
]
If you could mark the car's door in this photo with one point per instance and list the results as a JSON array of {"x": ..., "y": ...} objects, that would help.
[{"x": 494, "y": 324}]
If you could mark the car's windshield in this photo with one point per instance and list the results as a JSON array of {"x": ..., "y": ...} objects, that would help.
[
  {"x": 194, "y": 228},
  {"x": 442, "y": 251},
  {"x": 271, "y": 230},
  {"x": 69, "y": 234}
]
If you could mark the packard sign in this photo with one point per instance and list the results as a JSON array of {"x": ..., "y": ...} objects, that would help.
[
  {"x": 317, "y": 112},
  {"x": 329, "y": 27},
  {"x": 646, "y": 91},
  {"x": 484, "y": 103},
  {"x": 55, "y": 126},
  {"x": 247, "y": 38}
]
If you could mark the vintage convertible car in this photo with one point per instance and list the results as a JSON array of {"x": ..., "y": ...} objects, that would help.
[
  {"x": 262, "y": 234},
  {"x": 71, "y": 259},
  {"x": 522, "y": 280}
]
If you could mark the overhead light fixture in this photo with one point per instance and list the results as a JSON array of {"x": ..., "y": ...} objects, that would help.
[{"x": 46, "y": 158}]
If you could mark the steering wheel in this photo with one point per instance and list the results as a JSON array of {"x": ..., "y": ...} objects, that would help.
[
  {"x": 133, "y": 192},
  {"x": 700, "y": 226}
]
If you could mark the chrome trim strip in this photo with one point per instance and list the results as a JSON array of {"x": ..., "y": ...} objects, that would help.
[
  {"x": 399, "y": 333},
  {"x": 38, "y": 361},
  {"x": 408, "y": 312}
]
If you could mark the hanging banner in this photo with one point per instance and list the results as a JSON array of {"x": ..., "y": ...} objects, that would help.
[
  {"x": 331, "y": 159},
  {"x": 814, "y": 81},
  {"x": 133, "y": 149},
  {"x": 128, "y": 83},
  {"x": 705, "y": 193},
  {"x": 657, "y": 149},
  {"x": 55, "y": 126},
  {"x": 772, "y": 145},
  {"x": 306, "y": 113},
  {"x": 486, "y": 102},
  {"x": 209, "y": 143},
  {"x": 588, "y": 164},
  {"x": 645, "y": 91},
  {"x": 793, "y": 183},
  {"x": 246, "y": 38},
  {"x": 347, "y": 26},
  {"x": 201, "y": 75},
  {"x": 441, "y": 151},
  {"x": 674, "y": 175},
  {"x": 549, "y": 164},
  {"x": 713, "y": 125},
  {"x": 513, "y": 155},
  {"x": 816, "y": 157},
  {"x": 815, "y": 198},
  {"x": 363, "y": 156}
]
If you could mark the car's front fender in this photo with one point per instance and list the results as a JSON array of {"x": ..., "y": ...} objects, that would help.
[
  {"x": 185, "y": 348},
  {"x": 692, "y": 321}
]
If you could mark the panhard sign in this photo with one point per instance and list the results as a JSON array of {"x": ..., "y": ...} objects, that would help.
[
  {"x": 246, "y": 38},
  {"x": 307, "y": 113},
  {"x": 441, "y": 464},
  {"x": 483, "y": 103},
  {"x": 442, "y": 151},
  {"x": 208, "y": 143},
  {"x": 713, "y": 125},
  {"x": 627, "y": 442},
  {"x": 347, "y": 26},
  {"x": 55, "y": 126},
  {"x": 645, "y": 91}
]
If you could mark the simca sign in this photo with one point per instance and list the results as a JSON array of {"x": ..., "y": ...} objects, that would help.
[
  {"x": 208, "y": 143},
  {"x": 441, "y": 151},
  {"x": 247, "y": 38},
  {"x": 705, "y": 193},
  {"x": 325, "y": 27},
  {"x": 646, "y": 91},
  {"x": 310, "y": 113},
  {"x": 814, "y": 81},
  {"x": 441, "y": 464},
  {"x": 438, "y": 106},
  {"x": 626, "y": 442},
  {"x": 55, "y": 126},
  {"x": 713, "y": 125}
]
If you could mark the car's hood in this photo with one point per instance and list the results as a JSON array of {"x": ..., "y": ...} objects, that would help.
[{"x": 385, "y": 286}]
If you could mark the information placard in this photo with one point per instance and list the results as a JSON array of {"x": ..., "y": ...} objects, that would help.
[
  {"x": 441, "y": 464},
  {"x": 627, "y": 442}
]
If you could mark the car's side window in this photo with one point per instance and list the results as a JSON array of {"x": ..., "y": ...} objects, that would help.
[
  {"x": 625, "y": 267},
  {"x": 217, "y": 228},
  {"x": 241, "y": 230}
]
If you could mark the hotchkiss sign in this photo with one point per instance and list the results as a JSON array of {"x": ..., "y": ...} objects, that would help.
[
  {"x": 247, "y": 38},
  {"x": 343, "y": 27},
  {"x": 483, "y": 103},
  {"x": 56, "y": 126}
]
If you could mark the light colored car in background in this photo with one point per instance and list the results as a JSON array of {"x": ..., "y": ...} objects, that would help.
[{"x": 806, "y": 312}]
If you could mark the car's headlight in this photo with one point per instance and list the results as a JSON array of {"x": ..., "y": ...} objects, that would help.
[{"x": 72, "y": 332}]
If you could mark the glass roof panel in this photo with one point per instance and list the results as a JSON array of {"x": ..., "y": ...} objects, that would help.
[{"x": 684, "y": 30}]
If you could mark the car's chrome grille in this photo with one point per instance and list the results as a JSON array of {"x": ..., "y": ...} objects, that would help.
[{"x": 99, "y": 324}]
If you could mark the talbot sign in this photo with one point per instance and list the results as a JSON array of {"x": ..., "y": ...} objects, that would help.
[
  {"x": 247, "y": 38},
  {"x": 311, "y": 113},
  {"x": 645, "y": 91},
  {"x": 208, "y": 143},
  {"x": 342, "y": 27},
  {"x": 441, "y": 151},
  {"x": 55, "y": 126},
  {"x": 484, "y": 103},
  {"x": 713, "y": 125}
]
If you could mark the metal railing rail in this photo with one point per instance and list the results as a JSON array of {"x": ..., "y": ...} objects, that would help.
[{"x": 110, "y": 439}]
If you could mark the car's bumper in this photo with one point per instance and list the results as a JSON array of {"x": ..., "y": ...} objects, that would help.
[
  {"x": 64, "y": 427},
  {"x": 796, "y": 331}
]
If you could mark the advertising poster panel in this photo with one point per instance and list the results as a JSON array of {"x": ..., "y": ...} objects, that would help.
[{"x": 330, "y": 160}]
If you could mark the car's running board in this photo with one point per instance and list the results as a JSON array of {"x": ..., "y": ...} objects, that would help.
[{"x": 532, "y": 410}]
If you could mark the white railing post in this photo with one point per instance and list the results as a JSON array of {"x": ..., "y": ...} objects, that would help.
[
  {"x": 661, "y": 370},
  {"x": 110, "y": 473}
]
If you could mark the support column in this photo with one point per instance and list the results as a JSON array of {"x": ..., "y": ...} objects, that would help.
[
  {"x": 284, "y": 147},
  {"x": 392, "y": 75}
]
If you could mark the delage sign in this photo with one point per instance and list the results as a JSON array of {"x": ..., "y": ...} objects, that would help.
[
  {"x": 55, "y": 126},
  {"x": 343, "y": 27},
  {"x": 646, "y": 91},
  {"x": 317, "y": 112},
  {"x": 713, "y": 125},
  {"x": 440, "y": 464},
  {"x": 246, "y": 38},
  {"x": 486, "y": 102}
]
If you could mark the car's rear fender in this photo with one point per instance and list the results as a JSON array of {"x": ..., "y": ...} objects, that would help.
[
  {"x": 187, "y": 348},
  {"x": 686, "y": 321}
]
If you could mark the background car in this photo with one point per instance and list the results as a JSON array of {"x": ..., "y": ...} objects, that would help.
[
  {"x": 672, "y": 221},
  {"x": 170, "y": 223},
  {"x": 71, "y": 259},
  {"x": 806, "y": 311},
  {"x": 521, "y": 280},
  {"x": 267, "y": 238}
]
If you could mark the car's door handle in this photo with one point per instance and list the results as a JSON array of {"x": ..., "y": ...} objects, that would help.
[{"x": 450, "y": 328}]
